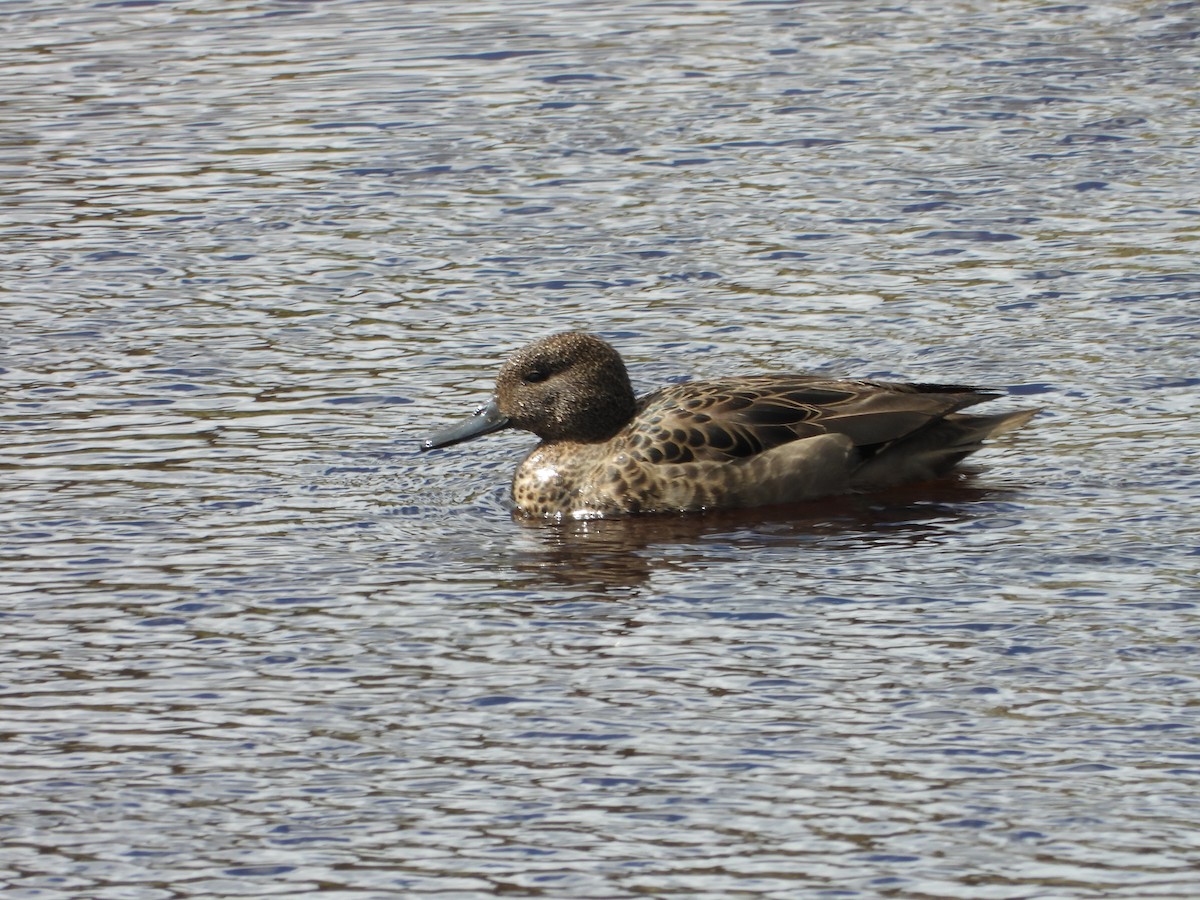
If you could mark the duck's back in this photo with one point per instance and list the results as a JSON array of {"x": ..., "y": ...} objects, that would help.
[{"x": 737, "y": 418}]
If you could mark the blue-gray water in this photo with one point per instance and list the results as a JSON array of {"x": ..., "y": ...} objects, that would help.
[{"x": 255, "y": 644}]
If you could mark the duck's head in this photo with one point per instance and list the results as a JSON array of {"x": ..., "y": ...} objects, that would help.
[{"x": 567, "y": 387}]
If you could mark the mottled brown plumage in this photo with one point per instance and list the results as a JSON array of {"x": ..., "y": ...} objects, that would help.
[{"x": 729, "y": 443}]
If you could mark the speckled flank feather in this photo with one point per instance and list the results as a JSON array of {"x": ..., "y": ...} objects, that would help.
[{"x": 734, "y": 442}]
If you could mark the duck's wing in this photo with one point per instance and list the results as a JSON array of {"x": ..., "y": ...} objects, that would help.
[{"x": 741, "y": 417}]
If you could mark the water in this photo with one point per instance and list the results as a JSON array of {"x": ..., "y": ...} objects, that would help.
[{"x": 256, "y": 644}]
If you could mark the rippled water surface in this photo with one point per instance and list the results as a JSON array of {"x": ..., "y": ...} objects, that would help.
[{"x": 255, "y": 644}]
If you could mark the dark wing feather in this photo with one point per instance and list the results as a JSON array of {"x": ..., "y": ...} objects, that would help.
[{"x": 740, "y": 417}]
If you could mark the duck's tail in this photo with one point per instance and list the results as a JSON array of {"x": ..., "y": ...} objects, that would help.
[
  {"x": 977, "y": 429},
  {"x": 935, "y": 449}
]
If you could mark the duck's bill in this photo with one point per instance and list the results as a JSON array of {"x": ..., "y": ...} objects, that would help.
[{"x": 487, "y": 419}]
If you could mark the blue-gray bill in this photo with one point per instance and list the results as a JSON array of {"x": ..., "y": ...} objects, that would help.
[{"x": 486, "y": 419}]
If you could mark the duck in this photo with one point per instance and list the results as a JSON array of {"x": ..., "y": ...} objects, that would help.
[{"x": 727, "y": 443}]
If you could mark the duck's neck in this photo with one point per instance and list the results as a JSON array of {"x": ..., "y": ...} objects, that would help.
[{"x": 604, "y": 420}]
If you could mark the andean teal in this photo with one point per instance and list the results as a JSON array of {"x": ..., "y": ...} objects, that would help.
[{"x": 730, "y": 443}]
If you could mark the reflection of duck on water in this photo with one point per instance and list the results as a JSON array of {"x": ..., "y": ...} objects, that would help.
[{"x": 612, "y": 556}]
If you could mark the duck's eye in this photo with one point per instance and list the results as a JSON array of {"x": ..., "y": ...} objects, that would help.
[{"x": 533, "y": 376}]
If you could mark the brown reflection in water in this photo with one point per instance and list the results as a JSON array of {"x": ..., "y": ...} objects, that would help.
[{"x": 613, "y": 555}]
